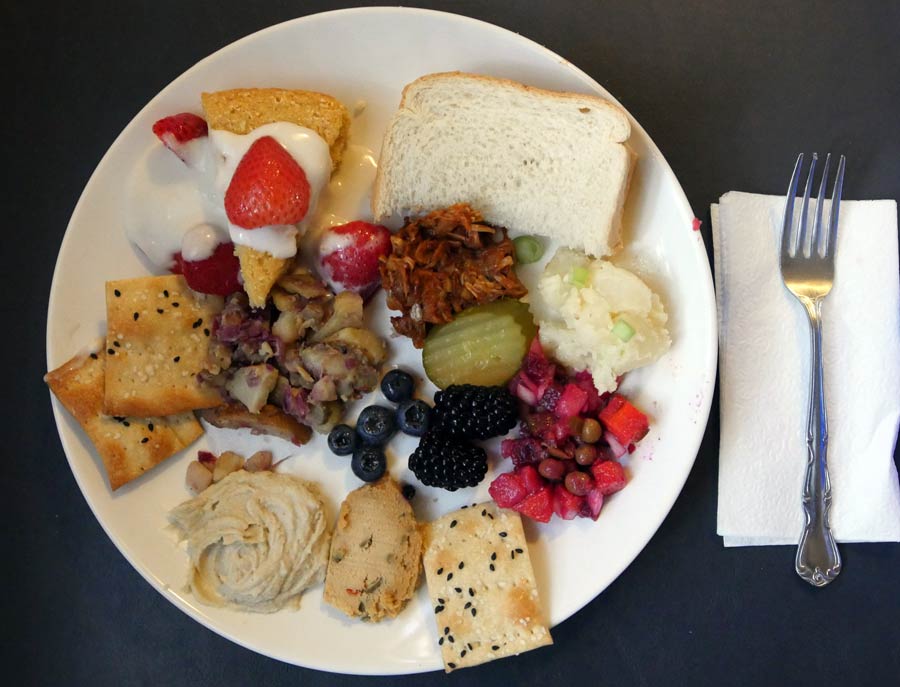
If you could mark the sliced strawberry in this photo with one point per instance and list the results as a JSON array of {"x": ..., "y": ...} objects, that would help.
[
  {"x": 176, "y": 131},
  {"x": 625, "y": 422},
  {"x": 268, "y": 187},
  {"x": 530, "y": 478},
  {"x": 349, "y": 255},
  {"x": 538, "y": 506},
  {"x": 507, "y": 490},
  {"x": 217, "y": 274},
  {"x": 609, "y": 476},
  {"x": 565, "y": 504}
]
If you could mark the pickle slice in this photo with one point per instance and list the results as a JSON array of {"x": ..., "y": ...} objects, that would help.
[{"x": 484, "y": 345}]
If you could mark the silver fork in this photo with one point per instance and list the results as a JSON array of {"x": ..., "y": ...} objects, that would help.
[{"x": 807, "y": 267}]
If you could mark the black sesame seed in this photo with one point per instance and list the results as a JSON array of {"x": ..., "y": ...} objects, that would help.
[
  {"x": 94, "y": 356},
  {"x": 175, "y": 304},
  {"x": 492, "y": 567},
  {"x": 126, "y": 423},
  {"x": 470, "y": 646},
  {"x": 166, "y": 293},
  {"x": 441, "y": 601},
  {"x": 206, "y": 331},
  {"x": 446, "y": 630},
  {"x": 197, "y": 323},
  {"x": 474, "y": 610},
  {"x": 118, "y": 418},
  {"x": 451, "y": 665},
  {"x": 518, "y": 550},
  {"x": 462, "y": 653},
  {"x": 458, "y": 590},
  {"x": 471, "y": 592},
  {"x": 491, "y": 516},
  {"x": 512, "y": 555},
  {"x": 145, "y": 440},
  {"x": 160, "y": 311},
  {"x": 453, "y": 523},
  {"x": 461, "y": 565},
  {"x": 483, "y": 512},
  {"x": 441, "y": 641},
  {"x": 111, "y": 351},
  {"x": 503, "y": 534},
  {"x": 117, "y": 344},
  {"x": 438, "y": 608},
  {"x": 468, "y": 605},
  {"x": 150, "y": 426},
  {"x": 176, "y": 358},
  {"x": 118, "y": 293},
  {"x": 495, "y": 648},
  {"x": 494, "y": 556},
  {"x": 136, "y": 316},
  {"x": 450, "y": 639},
  {"x": 440, "y": 571},
  {"x": 449, "y": 576}
]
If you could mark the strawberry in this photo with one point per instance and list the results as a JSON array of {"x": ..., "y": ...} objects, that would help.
[
  {"x": 349, "y": 255},
  {"x": 507, "y": 490},
  {"x": 625, "y": 422},
  {"x": 268, "y": 187},
  {"x": 565, "y": 504},
  {"x": 571, "y": 401},
  {"x": 217, "y": 274},
  {"x": 530, "y": 478},
  {"x": 177, "y": 131},
  {"x": 609, "y": 476},
  {"x": 538, "y": 506}
]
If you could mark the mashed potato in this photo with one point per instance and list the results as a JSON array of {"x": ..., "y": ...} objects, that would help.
[{"x": 596, "y": 316}]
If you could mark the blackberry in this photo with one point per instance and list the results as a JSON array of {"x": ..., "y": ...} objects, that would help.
[
  {"x": 448, "y": 463},
  {"x": 474, "y": 412}
]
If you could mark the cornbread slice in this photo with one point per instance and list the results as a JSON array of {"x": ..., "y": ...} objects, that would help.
[
  {"x": 128, "y": 446},
  {"x": 243, "y": 109},
  {"x": 375, "y": 552},
  {"x": 482, "y": 586},
  {"x": 156, "y": 344}
]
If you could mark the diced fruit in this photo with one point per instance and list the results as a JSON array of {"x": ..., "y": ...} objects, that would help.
[
  {"x": 609, "y": 476},
  {"x": 535, "y": 375},
  {"x": 177, "y": 131},
  {"x": 217, "y": 274},
  {"x": 566, "y": 504},
  {"x": 625, "y": 422},
  {"x": 368, "y": 463},
  {"x": 523, "y": 451},
  {"x": 595, "y": 399},
  {"x": 268, "y": 187},
  {"x": 594, "y": 502},
  {"x": 376, "y": 425},
  {"x": 259, "y": 462},
  {"x": 207, "y": 458},
  {"x": 198, "y": 477},
  {"x": 530, "y": 478},
  {"x": 251, "y": 385},
  {"x": 228, "y": 462},
  {"x": 397, "y": 386},
  {"x": 538, "y": 506},
  {"x": 349, "y": 255},
  {"x": 414, "y": 417},
  {"x": 571, "y": 401},
  {"x": 484, "y": 345},
  {"x": 507, "y": 490}
]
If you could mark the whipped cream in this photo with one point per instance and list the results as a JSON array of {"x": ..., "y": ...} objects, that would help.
[{"x": 309, "y": 150}]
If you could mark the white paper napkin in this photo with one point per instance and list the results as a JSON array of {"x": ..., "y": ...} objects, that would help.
[{"x": 764, "y": 375}]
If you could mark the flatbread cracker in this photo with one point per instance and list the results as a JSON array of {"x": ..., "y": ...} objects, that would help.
[
  {"x": 482, "y": 586},
  {"x": 156, "y": 343},
  {"x": 128, "y": 446}
]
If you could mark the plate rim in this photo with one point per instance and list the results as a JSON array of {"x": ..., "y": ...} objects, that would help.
[{"x": 709, "y": 364}]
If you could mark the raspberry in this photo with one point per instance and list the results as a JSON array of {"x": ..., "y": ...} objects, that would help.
[
  {"x": 474, "y": 412},
  {"x": 447, "y": 463}
]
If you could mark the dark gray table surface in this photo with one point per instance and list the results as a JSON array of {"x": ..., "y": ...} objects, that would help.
[{"x": 730, "y": 91}]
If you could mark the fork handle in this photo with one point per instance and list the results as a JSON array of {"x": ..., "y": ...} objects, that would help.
[{"x": 818, "y": 561}]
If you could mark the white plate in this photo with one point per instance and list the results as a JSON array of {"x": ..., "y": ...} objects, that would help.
[{"x": 370, "y": 54}]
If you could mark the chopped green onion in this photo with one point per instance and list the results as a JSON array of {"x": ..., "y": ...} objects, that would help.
[
  {"x": 528, "y": 249},
  {"x": 623, "y": 330},
  {"x": 579, "y": 276}
]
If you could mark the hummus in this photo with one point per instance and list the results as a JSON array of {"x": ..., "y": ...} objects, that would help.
[{"x": 256, "y": 541}]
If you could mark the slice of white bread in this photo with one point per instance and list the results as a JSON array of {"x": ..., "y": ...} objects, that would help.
[{"x": 534, "y": 161}]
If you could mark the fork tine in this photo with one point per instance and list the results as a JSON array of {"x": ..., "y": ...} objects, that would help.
[
  {"x": 788, "y": 221},
  {"x": 819, "y": 237},
  {"x": 835, "y": 204},
  {"x": 802, "y": 242}
]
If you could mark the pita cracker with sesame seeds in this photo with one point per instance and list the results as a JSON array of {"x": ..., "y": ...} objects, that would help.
[
  {"x": 482, "y": 586},
  {"x": 156, "y": 344},
  {"x": 128, "y": 446}
]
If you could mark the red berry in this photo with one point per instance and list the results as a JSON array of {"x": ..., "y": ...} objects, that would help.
[
  {"x": 217, "y": 274},
  {"x": 507, "y": 490},
  {"x": 530, "y": 478},
  {"x": 268, "y": 187},
  {"x": 538, "y": 506},
  {"x": 177, "y": 130},
  {"x": 609, "y": 476},
  {"x": 566, "y": 504},
  {"x": 349, "y": 255}
]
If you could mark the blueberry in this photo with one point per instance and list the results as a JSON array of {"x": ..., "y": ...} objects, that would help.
[
  {"x": 397, "y": 386},
  {"x": 342, "y": 440},
  {"x": 413, "y": 417},
  {"x": 368, "y": 463},
  {"x": 375, "y": 425}
]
